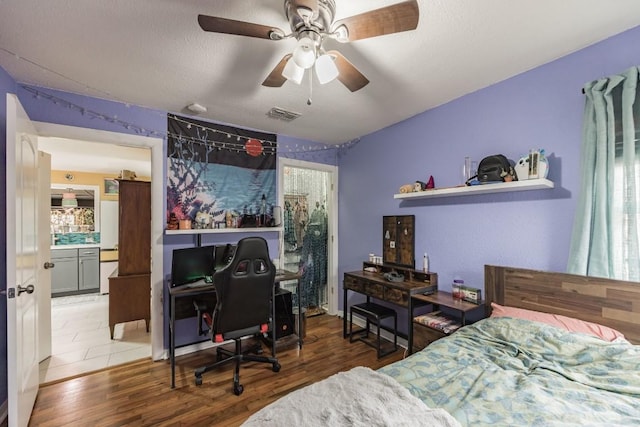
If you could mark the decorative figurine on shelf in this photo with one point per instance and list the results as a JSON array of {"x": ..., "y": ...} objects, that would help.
[
  {"x": 172, "y": 223},
  {"x": 202, "y": 220},
  {"x": 419, "y": 186},
  {"x": 406, "y": 188},
  {"x": 431, "y": 183}
]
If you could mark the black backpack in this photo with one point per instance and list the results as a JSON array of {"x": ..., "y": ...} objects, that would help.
[{"x": 494, "y": 168}]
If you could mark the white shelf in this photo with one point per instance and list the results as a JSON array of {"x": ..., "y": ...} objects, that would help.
[
  {"x": 500, "y": 187},
  {"x": 226, "y": 230}
]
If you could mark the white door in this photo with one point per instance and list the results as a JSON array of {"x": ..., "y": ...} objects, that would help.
[
  {"x": 44, "y": 255},
  {"x": 22, "y": 267}
]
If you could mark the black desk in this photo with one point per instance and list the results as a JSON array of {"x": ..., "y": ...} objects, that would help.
[{"x": 202, "y": 291}]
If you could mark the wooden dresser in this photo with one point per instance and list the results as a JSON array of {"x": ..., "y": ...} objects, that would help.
[{"x": 130, "y": 284}]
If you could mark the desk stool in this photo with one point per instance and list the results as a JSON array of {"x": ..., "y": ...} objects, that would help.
[{"x": 374, "y": 313}]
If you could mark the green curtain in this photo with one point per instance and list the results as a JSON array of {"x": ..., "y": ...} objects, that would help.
[{"x": 605, "y": 241}]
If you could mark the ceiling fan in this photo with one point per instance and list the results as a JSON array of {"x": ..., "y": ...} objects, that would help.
[{"x": 311, "y": 22}]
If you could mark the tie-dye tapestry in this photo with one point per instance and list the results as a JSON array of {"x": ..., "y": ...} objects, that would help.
[{"x": 219, "y": 176}]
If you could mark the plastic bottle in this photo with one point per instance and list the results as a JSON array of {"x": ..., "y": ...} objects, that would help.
[
  {"x": 456, "y": 288},
  {"x": 425, "y": 263}
]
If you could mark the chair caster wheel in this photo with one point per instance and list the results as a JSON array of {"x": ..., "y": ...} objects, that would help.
[
  {"x": 238, "y": 389},
  {"x": 276, "y": 367},
  {"x": 198, "y": 380}
]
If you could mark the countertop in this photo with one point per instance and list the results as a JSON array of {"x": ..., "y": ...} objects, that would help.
[
  {"x": 107, "y": 255},
  {"x": 87, "y": 245}
]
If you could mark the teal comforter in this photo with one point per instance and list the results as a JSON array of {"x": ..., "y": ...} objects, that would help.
[{"x": 512, "y": 372}]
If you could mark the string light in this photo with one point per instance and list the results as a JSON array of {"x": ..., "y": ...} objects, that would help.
[{"x": 239, "y": 146}]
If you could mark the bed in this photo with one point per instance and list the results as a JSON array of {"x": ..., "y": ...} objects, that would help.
[{"x": 502, "y": 370}]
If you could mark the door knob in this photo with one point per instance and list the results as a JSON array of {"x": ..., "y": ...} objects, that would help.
[
  {"x": 28, "y": 289},
  {"x": 48, "y": 265}
]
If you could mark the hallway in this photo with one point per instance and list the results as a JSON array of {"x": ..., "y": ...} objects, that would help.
[{"x": 81, "y": 341}]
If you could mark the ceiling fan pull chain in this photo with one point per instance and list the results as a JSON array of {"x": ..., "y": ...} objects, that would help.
[{"x": 310, "y": 85}]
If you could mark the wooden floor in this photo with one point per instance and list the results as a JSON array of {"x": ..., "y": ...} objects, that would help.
[{"x": 139, "y": 393}]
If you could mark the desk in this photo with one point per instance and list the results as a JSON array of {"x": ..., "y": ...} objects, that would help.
[
  {"x": 179, "y": 292},
  {"x": 398, "y": 293}
]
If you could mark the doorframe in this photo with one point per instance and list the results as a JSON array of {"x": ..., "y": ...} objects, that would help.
[
  {"x": 157, "y": 208},
  {"x": 332, "y": 223}
]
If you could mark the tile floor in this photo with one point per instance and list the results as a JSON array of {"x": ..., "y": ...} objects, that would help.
[{"x": 81, "y": 341}]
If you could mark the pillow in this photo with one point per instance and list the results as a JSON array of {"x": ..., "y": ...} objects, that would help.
[{"x": 563, "y": 322}]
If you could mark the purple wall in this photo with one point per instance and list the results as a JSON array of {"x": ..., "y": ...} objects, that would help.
[
  {"x": 7, "y": 85},
  {"x": 541, "y": 108}
]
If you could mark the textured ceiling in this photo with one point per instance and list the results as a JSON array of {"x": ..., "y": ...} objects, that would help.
[{"x": 154, "y": 54}]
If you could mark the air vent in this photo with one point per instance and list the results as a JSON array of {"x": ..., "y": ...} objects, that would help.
[{"x": 282, "y": 114}]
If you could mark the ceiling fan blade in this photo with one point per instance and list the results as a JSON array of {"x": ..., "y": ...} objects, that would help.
[
  {"x": 349, "y": 75},
  {"x": 387, "y": 20},
  {"x": 240, "y": 28},
  {"x": 275, "y": 78}
]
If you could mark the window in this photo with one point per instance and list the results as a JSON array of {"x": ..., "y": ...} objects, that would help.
[{"x": 606, "y": 236}]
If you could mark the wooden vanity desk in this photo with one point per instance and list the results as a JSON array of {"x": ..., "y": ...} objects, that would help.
[{"x": 375, "y": 285}]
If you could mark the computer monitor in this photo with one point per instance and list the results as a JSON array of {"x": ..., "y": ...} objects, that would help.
[
  {"x": 192, "y": 264},
  {"x": 224, "y": 255}
]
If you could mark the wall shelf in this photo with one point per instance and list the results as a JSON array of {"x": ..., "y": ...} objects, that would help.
[
  {"x": 226, "y": 230},
  {"x": 501, "y": 187}
]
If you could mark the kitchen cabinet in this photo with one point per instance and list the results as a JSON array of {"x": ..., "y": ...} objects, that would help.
[
  {"x": 88, "y": 269},
  {"x": 76, "y": 271},
  {"x": 64, "y": 276}
]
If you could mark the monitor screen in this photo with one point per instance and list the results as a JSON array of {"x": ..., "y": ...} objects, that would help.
[{"x": 192, "y": 264}]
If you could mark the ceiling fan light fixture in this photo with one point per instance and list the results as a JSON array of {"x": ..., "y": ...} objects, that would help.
[
  {"x": 341, "y": 34},
  {"x": 293, "y": 72},
  {"x": 326, "y": 69},
  {"x": 305, "y": 53}
]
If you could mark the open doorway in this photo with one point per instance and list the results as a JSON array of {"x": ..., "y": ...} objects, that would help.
[
  {"x": 96, "y": 304},
  {"x": 308, "y": 242}
]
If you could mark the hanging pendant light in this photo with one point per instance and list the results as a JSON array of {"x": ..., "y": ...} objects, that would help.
[{"x": 69, "y": 199}]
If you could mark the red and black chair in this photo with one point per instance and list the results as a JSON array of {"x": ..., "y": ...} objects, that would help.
[{"x": 243, "y": 308}]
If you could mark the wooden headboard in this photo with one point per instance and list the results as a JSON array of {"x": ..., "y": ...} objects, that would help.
[{"x": 613, "y": 303}]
